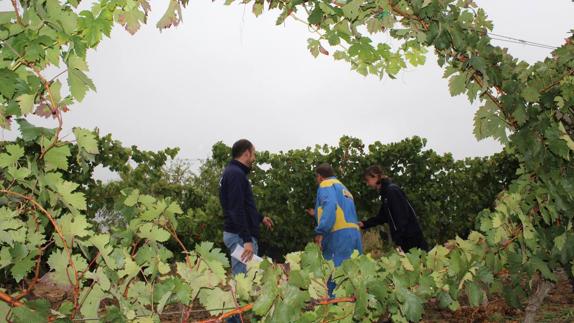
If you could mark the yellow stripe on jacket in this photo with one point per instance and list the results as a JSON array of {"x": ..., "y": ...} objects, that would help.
[{"x": 340, "y": 222}]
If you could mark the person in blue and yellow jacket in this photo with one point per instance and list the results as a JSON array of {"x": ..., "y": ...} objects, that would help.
[{"x": 337, "y": 230}]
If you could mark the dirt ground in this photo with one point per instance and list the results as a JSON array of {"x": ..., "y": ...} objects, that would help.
[{"x": 558, "y": 307}]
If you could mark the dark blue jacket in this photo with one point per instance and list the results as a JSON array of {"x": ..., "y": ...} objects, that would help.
[
  {"x": 236, "y": 197},
  {"x": 400, "y": 215}
]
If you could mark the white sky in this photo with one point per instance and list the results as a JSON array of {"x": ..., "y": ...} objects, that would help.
[{"x": 224, "y": 74}]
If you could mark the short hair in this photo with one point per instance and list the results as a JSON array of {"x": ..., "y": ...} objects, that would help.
[
  {"x": 374, "y": 171},
  {"x": 240, "y": 147},
  {"x": 325, "y": 170}
]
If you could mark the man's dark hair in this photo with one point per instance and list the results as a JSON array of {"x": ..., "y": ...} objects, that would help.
[
  {"x": 375, "y": 171},
  {"x": 239, "y": 147},
  {"x": 325, "y": 170}
]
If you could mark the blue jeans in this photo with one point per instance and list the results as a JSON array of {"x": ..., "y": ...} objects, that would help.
[
  {"x": 339, "y": 246},
  {"x": 231, "y": 240}
]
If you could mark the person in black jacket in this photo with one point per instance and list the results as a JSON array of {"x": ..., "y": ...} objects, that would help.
[
  {"x": 241, "y": 218},
  {"x": 396, "y": 210}
]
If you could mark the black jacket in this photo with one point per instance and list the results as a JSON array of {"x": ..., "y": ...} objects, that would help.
[
  {"x": 400, "y": 215},
  {"x": 236, "y": 197}
]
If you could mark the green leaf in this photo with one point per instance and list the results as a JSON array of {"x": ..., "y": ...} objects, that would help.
[
  {"x": 407, "y": 264},
  {"x": 416, "y": 57},
  {"x": 374, "y": 25},
  {"x": 530, "y": 94},
  {"x": 77, "y": 62},
  {"x": 206, "y": 251},
  {"x": 257, "y": 8},
  {"x": 5, "y": 257},
  {"x": 132, "y": 199},
  {"x": 69, "y": 22},
  {"x": 100, "y": 277},
  {"x": 412, "y": 307},
  {"x": 316, "y": 16},
  {"x": 489, "y": 123},
  {"x": 131, "y": 19},
  {"x": 57, "y": 158},
  {"x": 474, "y": 294},
  {"x": 21, "y": 268},
  {"x": 86, "y": 140},
  {"x": 266, "y": 298},
  {"x": 318, "y": 289},
  {"x": 12, "y": 155},
  {"x": 131, "y": 268},
  {"x": 63, "y": 271},
  {"x": 19, "y": 173},
  {"x": 243, "y": 285},
  {"x": 92, "y": 300},
  {"x": 73, "y": 226},
  {"x": 4, "y": 309},
  {"x": 66, "y": 308},
  {"x": 163, "y": 301},
  {"x": 154, "y": 211},
  {"x": 195, "y": 279},
  {"x": 351, "y": 9},
  {"x": 153, "y": 232},
  {"x": 79, "y": 83},
  {"x": 540, "y": 265},
  {"x": 172, "y": 16},
  {"x": 101, "y": 241},
  {"x": 74, "y": 200},
  {"x": 326, "y": 8},
  {"x": 216, "y": 260},
  {"x": 54, "y": 8},
  {"x": 173, "y": 209},
  {"x": 311, "y": 259},
  {"x": 7, "y": 82},
  {"x": 93, "y": 28},
  {"x": 26, "y": 102},
  {"x": 12, "y": 229},
  {"x": 215, "y": 300},
  {"x": 520, "y": 115},
  {"x": 294, "y": 260},
  {"x": 457, "y": 84},
  {"x": 30, "y": 132},
  {"x": 34, "y": 311},
  {"x": 556, "y": 143},
  {"x": 565, "y": 136},
  {"x": 478, "y": 63},
  {"x": 291, "y": 306},
  {"x": 313, "y": 46}
]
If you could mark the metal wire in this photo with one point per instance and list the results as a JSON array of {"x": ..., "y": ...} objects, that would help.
[{"x": 522, "y": 41}]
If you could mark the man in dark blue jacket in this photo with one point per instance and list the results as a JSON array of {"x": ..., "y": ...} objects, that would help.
[{"x": 241, "y": 218}]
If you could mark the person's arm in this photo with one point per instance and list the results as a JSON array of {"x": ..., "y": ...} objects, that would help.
[
  {"x": 375, "y": 220},
  {"x": 328, "y": 203},
  {"x": 399, "y": 209},
  {"x": 236, "y": 205}
]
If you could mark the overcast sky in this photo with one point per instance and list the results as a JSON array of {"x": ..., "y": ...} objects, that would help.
[{"x": 224, "y": 74}]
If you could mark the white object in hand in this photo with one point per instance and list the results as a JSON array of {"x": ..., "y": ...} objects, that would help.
[{"x": 239, "y": 251}]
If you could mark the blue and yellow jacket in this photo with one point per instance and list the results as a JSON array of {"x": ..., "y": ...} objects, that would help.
[{"x": 334, "y": 208}]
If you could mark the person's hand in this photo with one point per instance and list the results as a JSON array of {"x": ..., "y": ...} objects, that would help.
[
  {"x": 310, "y": 212},
  {"x": 361, "y": 224},
  {"x": 268, "y": 222},
  {"x": 247, "y": 252},
  {"x": 319, "y": 240}
]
